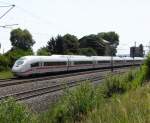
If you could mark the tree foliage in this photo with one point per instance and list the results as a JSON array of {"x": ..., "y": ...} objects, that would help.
[
  {"x": 15, "y": 54},
  {"x": 56, "y": 45},
  {"x": 63, "y": 45},
  {"x": 87, "y": 52},
  {"x": 71, "y": 43},
  {"x": 94, "y": 42},
  {"x": 21, "y": 39},
  {"x": 3, "y": 63},
  {"x": 43, "y": 51},
  {"x": 111, "y": 37},
  {"x": 141, "y": 50}
]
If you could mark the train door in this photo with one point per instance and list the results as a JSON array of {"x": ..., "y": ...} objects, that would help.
[
  {"x": 94, "y": 62},
  {"x": 34, "y": 67}
]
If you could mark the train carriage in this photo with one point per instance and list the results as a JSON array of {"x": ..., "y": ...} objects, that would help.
[
  {"x": 29, "y": 65},
  {"x": 80, "y": 62},
  {"x": 102, "y": 61}
]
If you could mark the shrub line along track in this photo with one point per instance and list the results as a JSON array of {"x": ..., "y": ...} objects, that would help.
[{"x": 54, "y": 88}]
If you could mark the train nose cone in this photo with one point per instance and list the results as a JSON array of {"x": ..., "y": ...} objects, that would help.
[{"x": 16, "y": 69}]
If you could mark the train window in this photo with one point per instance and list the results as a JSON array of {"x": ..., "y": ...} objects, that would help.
[
  {"x": 118, "y": 61},
  {"x": 128, "y": 60},
  {"x": 35, "y": 64},
  {"x": 83, "y": 62},
  {"x": 99, "y": 62},
  {"x": 20, "y": 62},
  {"x": 54, "y": 63}
]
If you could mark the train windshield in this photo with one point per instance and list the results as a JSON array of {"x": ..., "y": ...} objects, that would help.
[{"x": 20, "y": 62}]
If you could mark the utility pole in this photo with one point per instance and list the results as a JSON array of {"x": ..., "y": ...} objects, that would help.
[
  {"x": 135, "y": 43},
  {"x": 149, "y": 47},
  {"x": 112, "y": 67},
  {"x": 134, "y": 49},
  {"x": 0, "y": 47},
  {"x": 112, "y": 62}
]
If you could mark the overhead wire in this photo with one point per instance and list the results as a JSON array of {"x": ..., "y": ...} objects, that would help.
[
  {"x": 5, "y": 2},
  {"x": 6, "y": 6},
  {"x": 33, "y": 15},
  {"x": 11, "y": 7}
]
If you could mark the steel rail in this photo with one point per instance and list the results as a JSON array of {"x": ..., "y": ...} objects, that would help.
[
  {"x": 54, "y": 88},
  {"x": 22, "y": 81}
]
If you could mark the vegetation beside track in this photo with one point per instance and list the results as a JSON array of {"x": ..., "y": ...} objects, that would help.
[
  {"x": 122, "y": 98},
  {"x": 6, "y": 74},
  {"x": 14, "y": 112},
  {"x": 86, "y": 105}
]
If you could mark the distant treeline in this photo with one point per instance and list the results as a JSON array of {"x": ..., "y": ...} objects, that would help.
[
  {"x": 95, "y": 44},
  {"x": 104, "y": 43}
]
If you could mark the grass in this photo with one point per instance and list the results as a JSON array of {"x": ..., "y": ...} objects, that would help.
[
  {"x": 88, "y": 105},
  {"x": 107, "y": 102},
  {"x": 73, "y": 105},
  {"x": 14, "y": 112},
  {"x": 6, "y": 74},
  {"x": 132, "y": 107},
  {"x": 85, "y": 104}
]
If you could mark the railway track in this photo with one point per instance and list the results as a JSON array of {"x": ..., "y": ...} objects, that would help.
[
  {"x": 10, "y": 79},
  {"x": 61, "y": 74},
  {"x": 14, "y": 81},
  {"x": 40, "y": 91},
  {"x": 54, "y": 88}
]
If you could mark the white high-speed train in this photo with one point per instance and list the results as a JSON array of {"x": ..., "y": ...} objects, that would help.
[{"x": 29, "y": 65}]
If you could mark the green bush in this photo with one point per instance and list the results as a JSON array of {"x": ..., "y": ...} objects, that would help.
[
  {"x": 113, "y": 85},
  {"x": 14, "y": 112},
  {"x": 3, "y": 63},
  {"x": 43, "y": 51},
  {"x": 142, "y": 75},
  {"x": 15, "y": 54},
  {"x": 73, "y": 106},
  {"x": 117, "y": 84},
  {"x": 87, "y": 52},
  {"x": 6, "y": 74},
  {"x": 146, "y": 68},
  {"x": 132, "y": 107}
]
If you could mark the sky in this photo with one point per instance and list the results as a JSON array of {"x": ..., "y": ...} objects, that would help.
[{"x": 130, "y": 19}]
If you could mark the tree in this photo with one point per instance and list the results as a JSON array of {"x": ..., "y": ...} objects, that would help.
[
  {"x": 21, "y": 39},
  {"x": 3, "y": 63},
  {"x": 94, "y": 42},
  {"x": 71, "y": 43},
  {"x": 68, "y": 44},
  {"x": 141, "y": 50},
  {"x": 43, "y": 51},
  {"x": 15, "y": 54},
  {"x": 87, "y": 52},
  {"x": 56, "y": 45},
  {"x": 112, "y": 38}
]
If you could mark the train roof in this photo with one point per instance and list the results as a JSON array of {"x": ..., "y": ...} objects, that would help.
[
  {"x": 74, "y": 58},
  {"x": 43, "y": 58}
]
